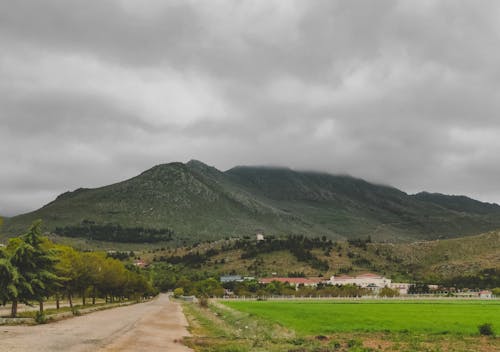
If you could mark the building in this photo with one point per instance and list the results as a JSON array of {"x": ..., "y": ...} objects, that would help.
[
  {"x": 231, "y": 278},
  {"x": 140, "y": 263},
  {"x": 485, "y": 294},
  {"x": 235, "y": 278},
  {"x": 401, "y": 287},
  {"x": 292, "y": 281},
  {"x": 260, "y": 237},
  {"x": 371, "y": 281}
]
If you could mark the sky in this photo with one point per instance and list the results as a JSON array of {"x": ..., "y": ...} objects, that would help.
[{"x": 404, "y": 93}]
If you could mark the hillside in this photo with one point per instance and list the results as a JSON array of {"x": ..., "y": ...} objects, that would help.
[
  {"x": 432, "y": 261},
  {"x": 194, "y": 201}
]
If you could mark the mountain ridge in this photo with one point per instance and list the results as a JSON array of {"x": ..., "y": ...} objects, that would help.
[{"x": 197, "y": 201}]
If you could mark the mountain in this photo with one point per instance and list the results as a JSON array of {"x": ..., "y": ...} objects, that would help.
[{"x": 194, "y": 201}]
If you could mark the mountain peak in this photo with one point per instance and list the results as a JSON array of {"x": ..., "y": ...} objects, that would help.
[{"x": 196, "y": 200}]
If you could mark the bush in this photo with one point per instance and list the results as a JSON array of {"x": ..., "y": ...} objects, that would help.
[
  {"x": 486, "y": 329},
  {"x": 40, "y": 318},
  {"x": 76, "y": 312},
  {"x": 179, "y": 291},
  {"x": 203, "y": 302},
  {"x": 388, "y": 292}
]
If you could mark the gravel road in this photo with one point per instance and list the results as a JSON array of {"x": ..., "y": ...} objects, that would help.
[{"x": 153, "y": 326}]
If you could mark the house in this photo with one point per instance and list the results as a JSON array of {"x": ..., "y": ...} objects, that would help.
[
  {"x": 140, "y": 263},
  {"x": 401, "y": 287},
  {"x": 292, "y": 281},
  {"x": 485, "y": 294},
  {"x": 370, "y": 281},
  {"x": 230, "y": 278},
  {"x": 260, "y": 237},
  {"x": 235, "y": 278}
]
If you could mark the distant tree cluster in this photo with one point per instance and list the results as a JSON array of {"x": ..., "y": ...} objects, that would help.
[
  {"x": 194, "y": 260},
  {"x": 486, "y": 278},
  {"x": 115, "y": 233},
  {"x": 299, "y": 246},
  {"x": 120, "y": 255},
  {"x": 359, "y": 242},
  {"x": 255, "y": 289},
  {"x": 32, "y": 269}
]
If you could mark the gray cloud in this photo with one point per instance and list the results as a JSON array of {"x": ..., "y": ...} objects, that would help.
[{"x": 403, "y": 93}]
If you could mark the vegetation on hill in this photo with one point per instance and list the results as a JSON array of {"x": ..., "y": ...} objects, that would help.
[
  {"x": 194, "y": 202},
  {"x": 114, "y": 233},
  {"x": 476, "y": 259}
]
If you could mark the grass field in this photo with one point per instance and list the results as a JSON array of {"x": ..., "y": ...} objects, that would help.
[{"x": 428, "y": 317}]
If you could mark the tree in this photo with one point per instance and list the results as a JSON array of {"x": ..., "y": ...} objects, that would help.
[
  {"x": 35, "y": 262},
  {"x": 388, "y": 292},
  {"x": 209, "y": 288},
  {"x": 9, "y": 279}
]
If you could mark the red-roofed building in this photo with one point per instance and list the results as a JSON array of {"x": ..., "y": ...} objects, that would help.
[{"x": 485, "y": 294}]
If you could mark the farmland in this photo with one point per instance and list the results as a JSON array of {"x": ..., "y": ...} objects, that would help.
[
  {"x": 307, "y": 318},
  {"x": 345, "y": 326}
]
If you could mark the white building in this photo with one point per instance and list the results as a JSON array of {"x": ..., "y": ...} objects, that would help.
[
  {"x": 485, "y": 294},
  {"x": 260, "y": 237},
  {"x": 371, "y": 281},
  {"x": 401, "y": 287}
]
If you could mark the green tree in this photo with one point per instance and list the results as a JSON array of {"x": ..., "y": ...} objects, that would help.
[
  {"x": 388, "y": 292},
  {"x": 209, "y": 288},
  {"x": 9, "y": 279},
  {"x": 35, "y": 262}
]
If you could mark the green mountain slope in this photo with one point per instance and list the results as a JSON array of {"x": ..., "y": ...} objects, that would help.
[
  {"x": 429, "y": 261},
  {"x": 196, "y": 201}
]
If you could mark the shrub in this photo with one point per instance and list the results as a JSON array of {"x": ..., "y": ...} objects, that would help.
[
  {"x": 40, "y": 318},
  {"x": 179, "y": 291},
  {"x": 485, "y": 329},
  {"x": 203, "y": 302},
  {"x": 76, "y": 312}
]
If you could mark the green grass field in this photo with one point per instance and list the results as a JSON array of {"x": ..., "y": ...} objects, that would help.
[{"x": 428, "y": 317}]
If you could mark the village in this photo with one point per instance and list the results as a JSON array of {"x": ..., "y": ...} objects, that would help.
[{"x": 370, "y": 283}]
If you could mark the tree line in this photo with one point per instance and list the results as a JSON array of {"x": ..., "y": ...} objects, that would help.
[
  {"x": 33, "y": 269},
  {"x": 115, "y": 232}
]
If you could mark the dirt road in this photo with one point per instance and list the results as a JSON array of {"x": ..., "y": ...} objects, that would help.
[{"x": 153, "y": 326}]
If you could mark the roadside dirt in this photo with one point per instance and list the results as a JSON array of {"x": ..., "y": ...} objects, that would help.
[{"x": 158, "y": 325}]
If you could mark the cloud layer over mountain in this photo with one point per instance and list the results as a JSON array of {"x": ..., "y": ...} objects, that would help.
[{"x": 400, "y": 92}]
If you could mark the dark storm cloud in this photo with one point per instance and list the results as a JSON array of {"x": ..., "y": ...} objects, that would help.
[{"x": 398, "y": 92}]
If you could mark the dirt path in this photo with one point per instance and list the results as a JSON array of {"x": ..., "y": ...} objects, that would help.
[{"x": 152, "y": 326}]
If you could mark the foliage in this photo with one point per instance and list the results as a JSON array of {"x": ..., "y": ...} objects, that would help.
[
  {"x": 486, "y": 329},
  {"x": 114, "y": 232},
  {"x": 203, "y": 302},
  {"x": 41, "y": 318},
  {"x": 33, "y": 268},
  {"x": 299, "y": 246},
  {"x": 179, "y": 291},
  {"x": 388, "y": 292},
  {"x": 35, "y": 262},
  {"x": 486, "y": 278}
]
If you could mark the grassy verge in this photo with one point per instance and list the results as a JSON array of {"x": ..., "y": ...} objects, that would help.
[
  {"x": 51, "y": 311},
  {"x": 52, "y": 314},
  {"x": 219, "y": 328}
]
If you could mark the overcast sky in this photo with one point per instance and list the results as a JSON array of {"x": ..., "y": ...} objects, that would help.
[{"x": 405, "y": 93}]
